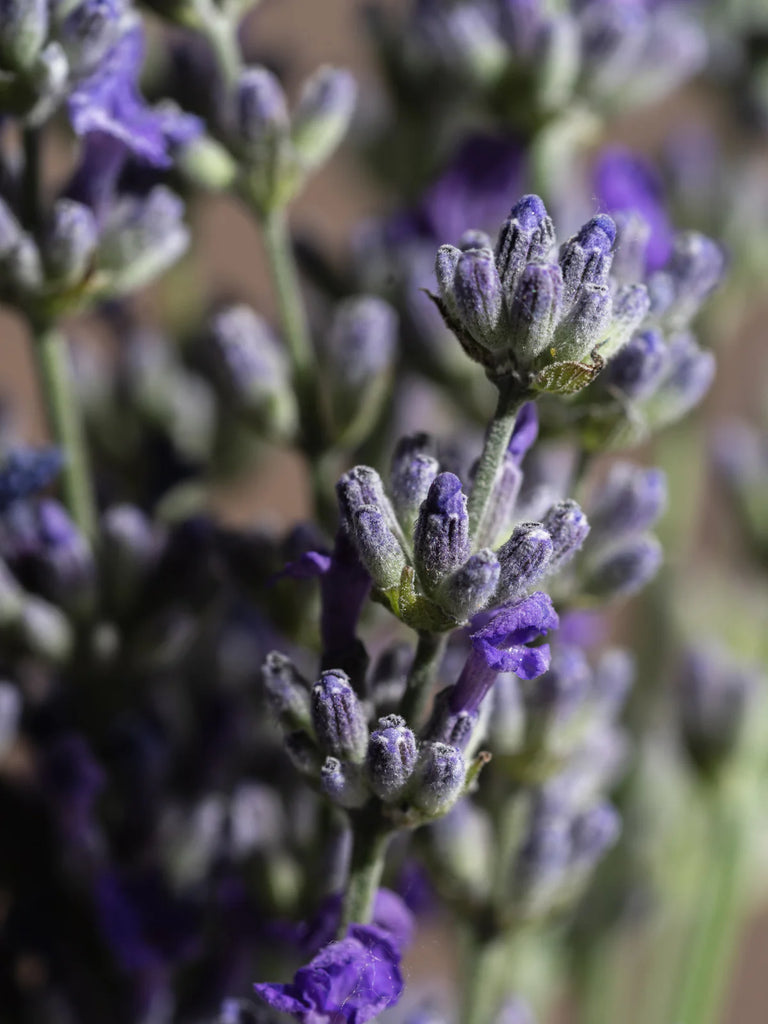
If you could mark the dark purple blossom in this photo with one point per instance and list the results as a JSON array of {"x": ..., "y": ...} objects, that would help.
[
  {"x": 25, "y": 471},
  {"x": 626, "y": 183},
  {"x": 108, "y": 102},
  {"x": 349, "y": 982},
  {"x": 501, "y": 645}
]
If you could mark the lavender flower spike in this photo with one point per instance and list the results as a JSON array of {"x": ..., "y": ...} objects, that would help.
[
  {"x": 501, "y": 646},
  {"x": 352, "y": 981}
]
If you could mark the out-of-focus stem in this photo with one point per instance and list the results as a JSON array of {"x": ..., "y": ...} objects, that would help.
[
  {"x": 63, "y": 412},
  {"x": 705, "y": 969}
]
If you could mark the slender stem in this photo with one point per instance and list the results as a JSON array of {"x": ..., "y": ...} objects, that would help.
[
  {"x": 221, "y": 32},
  {"x": 369, "y": 846},
  {"x": 426, "y": 661},
  {"x": 492, "y": 458},
  {"x": 289, "y": 298},
  {"x": 66, "y": 427},
  {"x": 720, "y": 912},
  {"x": 487, "y": 978},
  {"x": 596, "y": 976}
]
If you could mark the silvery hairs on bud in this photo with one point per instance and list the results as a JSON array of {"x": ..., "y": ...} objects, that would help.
[{"x": 338, "y": 717}]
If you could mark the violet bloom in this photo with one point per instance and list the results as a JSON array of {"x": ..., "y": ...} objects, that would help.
[
  {"x": 352, "y": 980},
  {"x": 108, "y": 102},
  {"x": 626, "y": 183},
  {"x": 501, "y": 645},
  {"x": 26, "y": 471}
]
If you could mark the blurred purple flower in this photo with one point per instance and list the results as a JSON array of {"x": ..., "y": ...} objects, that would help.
[
  {"x": 108, "y": 102},
  {"x": 627, "y": 183}
]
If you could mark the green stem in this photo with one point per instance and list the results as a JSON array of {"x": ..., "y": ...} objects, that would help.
[
  {"x": 492, "y": 458},
  {"x": 289, "y": 298},
  {"x": 66, "y": 427},
  {"x": 369, "y": 846},
  {"x": 596, "y": 975},
  {"x": 720, "y": 912},
  {"x": 426, "y": 661},
  {"x": 221, "y": 32},
  {"x": 487, "y": 977}
]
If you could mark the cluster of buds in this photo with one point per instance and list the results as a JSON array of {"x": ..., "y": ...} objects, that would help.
[
  {"x": 621, "y": 555},
  {"x": 276, "y": 149},
  {"x": 80, "y": 255},
  {"x": 558, "y": 737},
  {"x": 532, "y": 61},
  {"x": 546, "y": 323},
  {"x": 661, "y": 373},
  {"x": 416, "y": 544},
  {"x": 326, "y": 729}
]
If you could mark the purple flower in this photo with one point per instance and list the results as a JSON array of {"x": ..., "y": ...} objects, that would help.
[
  {"x": 626, "y": 183},
  {"x": 525, "y": 433},
  {"x": 25, "y": 471},
  {"x": 108, "y": 102},
  {"x": 501, "y": 646},
  {"x": 352, "y": 980}
]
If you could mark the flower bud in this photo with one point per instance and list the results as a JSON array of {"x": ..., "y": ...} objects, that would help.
[
  {"x": 715, "y": 697},
  {"x": 625, "y": 568},
  {"x": 688, "y": 375},
  {"x": 630, "y": 501},
  {"x": 143, "y": 236},
  {"x": 638, "y": 367},
  {"x": 441, "y": 537},
  {"x": 23, "y": 30},
  {"x": 478, "y": 297},
  {"x": 391, "y": 757},
  {"x": 411, "y": 474},
  {"x": 44, "y": 631},
  {"x": 524, "y": 559},
  {"x": 361, "y": 348},
  {"x": 527, "y": 236},
  {"x": 87, "y": 30},
  {"x": 567, "y": 525},
  {"x": 338, "y": 717},
  {"x": 593, "y": 833},
  {"x": 438, "y": 779},
  {"x": 70, "y": 242},
  {"x": 343, "y": 783},
  {"x": 287, "y": 692},
  {"x": 130, "y": 547},
  {"x": 471, "y": 587},
  {"x": 251, "y": 368},
  {"x": 261, "y": 111},
  {"x": 585, "y": 259},
  {"x": 323, "y": 114},
  {"x": 380, "y": 551},
  {"x": 630, "y": 306},
  {"x": 361, "y": 486},
  {"x": 25, "y": 471},
  {"x": 534, "y": 311},
  {"x": 63, "y": 563}
]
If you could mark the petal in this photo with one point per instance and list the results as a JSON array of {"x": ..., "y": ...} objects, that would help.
[{"x": 519, "y": 623}]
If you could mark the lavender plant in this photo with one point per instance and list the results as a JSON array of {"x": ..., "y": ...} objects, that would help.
[{"x": 218, "y": 743}]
